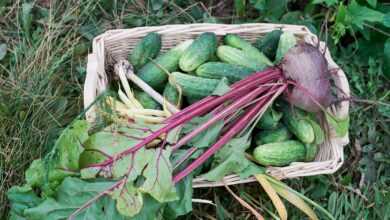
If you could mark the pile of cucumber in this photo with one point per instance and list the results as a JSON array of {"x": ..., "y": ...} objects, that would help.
[{"x": 193, "y": 69}]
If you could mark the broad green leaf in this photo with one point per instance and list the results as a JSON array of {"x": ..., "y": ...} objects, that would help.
[
  {"x": 69, "y": 145},
  {"x": 358, "y": 15},
  {"x": 158, "y": 176},
  {"x": 150, "y": 209},
  {"x": 89, "y": 173},
  {"x": 21, "y": 198},
  {"x": 251, "y": 170},
  {"x": 112, "y": 140},
  {"x": 340, "y": 125},
  {"x": 230, "y": 159},
  {"x": 184, "y": 204},
  {"x": 50, "y": 172},
  {"x": 207, "y": 137},
  {"x": 3, "y": 51},
  {"x": 222, "y": 87},
  {"x": 134, "y": 162},
  {"x": 35, "y": 174},
  {"x": 72, "y": 194},
  {"x": 129, "y": 200}
]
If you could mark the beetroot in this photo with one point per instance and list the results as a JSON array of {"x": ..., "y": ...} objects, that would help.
[{"x": 307, "y": 67}]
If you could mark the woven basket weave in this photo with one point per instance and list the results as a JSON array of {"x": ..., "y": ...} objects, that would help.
[{"x": 115, "y": 45}]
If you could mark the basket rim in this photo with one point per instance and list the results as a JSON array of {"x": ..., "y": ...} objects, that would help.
[{"x": 341, "y": 110}]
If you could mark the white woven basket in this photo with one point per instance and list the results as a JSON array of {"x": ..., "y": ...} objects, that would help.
[{"x": 115, "y": 45}]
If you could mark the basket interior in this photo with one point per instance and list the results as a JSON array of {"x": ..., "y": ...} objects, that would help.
[{"x": 117, "y": 44}]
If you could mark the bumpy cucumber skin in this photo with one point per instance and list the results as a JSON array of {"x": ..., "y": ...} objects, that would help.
[
  {"x": 270, "y": 119},
  {"x": 153, "y": 72},
  {"x": 146, "y": 49},
  {"x": 194, "y": 87},
  {"x": 270, "y": 136},
  {"x": 279, "y": 153},
  {"x": 172, "y": 95},
  {"x": 311, "y": 151},
  {"x": 218, "y": 70},
  {"x": 146, "y": 100},
  {"x": 200, "y": 51},
  {"x": 236, "y": 56},
  {"x": 319, "y": 135},
  {"x": 269, "y": 43},
  {"x": 236, "y": 41},
  {"x": 298, "y": 124}
]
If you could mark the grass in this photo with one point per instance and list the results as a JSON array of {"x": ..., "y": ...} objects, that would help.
[{"x": 42, "y": 74}]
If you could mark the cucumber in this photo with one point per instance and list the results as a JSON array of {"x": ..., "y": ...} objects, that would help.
[
  {"x": 299, "y": 126},
  {"x": 270, "y": 119},
  {"x": 236, "y": 56},
  {"x": 319, "y": 135},
  {"x": 194, "y": 87},
  {"x": 146, "y": 100},
  {"x": 153, "y": 73},
  {"x": 146, "y": 49},
  {"x": 311, "y": 151},
  {"x": 270, "y": 136},
  {"x": 287, "y": 40},
  {"x": 269, "y": 43},
  {"x": 172, "y": 95},
  {"x": 280, "y": 153},
  {"x": 236, "y": 41},
  {"x": 218, "y": 70},
  {"x": 201, "y": 50}
]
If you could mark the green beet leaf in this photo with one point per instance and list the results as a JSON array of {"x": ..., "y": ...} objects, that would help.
[
  {"x": 183, "y": 205},
  {"x": 230, "y": 159},
  {"x": 72, "y": 194},
  {"x": 206, "y": 137},
  {"x": 129, "y": 200},
  {"x": 21, "y": 198},
  {"x": 158, "y": 176}
]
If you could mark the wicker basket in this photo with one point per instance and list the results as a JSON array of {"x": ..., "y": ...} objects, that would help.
[{"x": 114, "y": 45}]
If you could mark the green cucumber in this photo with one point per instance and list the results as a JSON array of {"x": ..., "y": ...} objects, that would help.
[
  {"x": 311, "y": 151},
  {"x": 319, "y": 134},
  {"x": 172, "y": 95},
  {"x": 236, "y": 56},
  {"x": 218, "y": 70},
  {"x": 270, "y": 136},
  {"x": 154, "y": 72},
  {"x": 200, "y": 51},
  {"x": 280, "y": 153},
  {"x": 146, "y": 100},
  {"x": 236, "y": 41},
  {"x": 145, "y": 50},
  {"x": 194, "y": 87},
  {"x": 299, "y": 126},
  {"x": 269, "y": 43}
]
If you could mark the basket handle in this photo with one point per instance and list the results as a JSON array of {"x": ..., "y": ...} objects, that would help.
[{"x": 90, "y": 87}]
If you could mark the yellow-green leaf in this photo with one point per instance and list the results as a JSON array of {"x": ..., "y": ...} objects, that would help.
[
  {"x": 272, "y": 194},
  {"x": 296, "y": 201}
]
